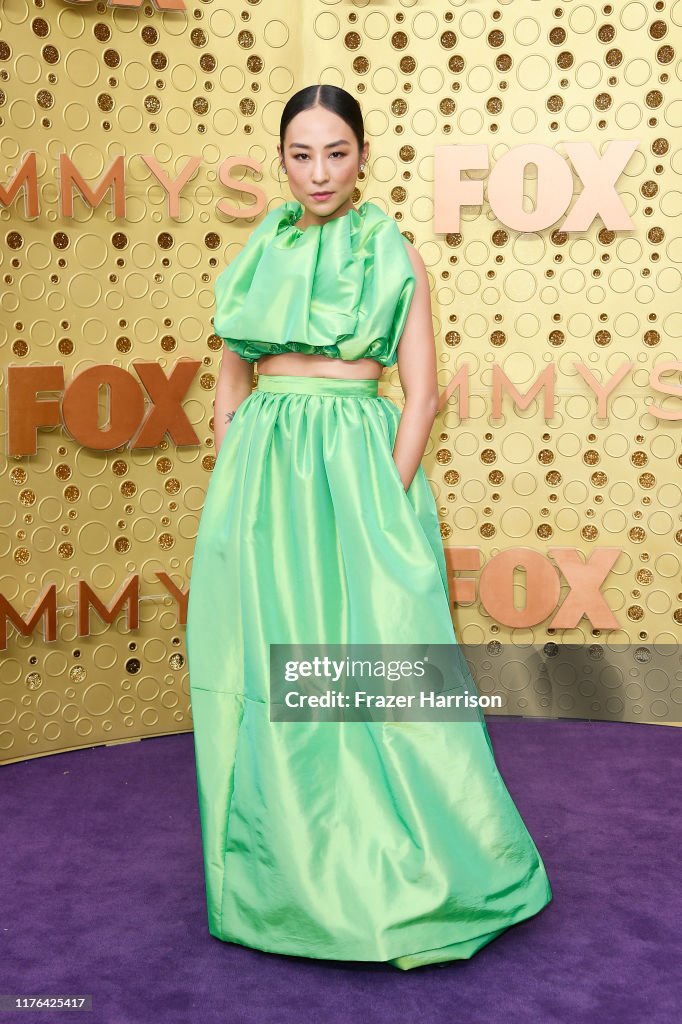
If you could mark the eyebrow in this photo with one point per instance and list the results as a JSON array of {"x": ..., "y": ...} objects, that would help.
[{"x": 301, "y": 145}]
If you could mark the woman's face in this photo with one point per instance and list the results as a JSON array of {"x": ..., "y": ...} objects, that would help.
[{"x": 321, "y": 156}]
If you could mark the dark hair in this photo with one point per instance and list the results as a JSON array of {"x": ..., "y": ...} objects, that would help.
[{"x": 331, "y": 97}]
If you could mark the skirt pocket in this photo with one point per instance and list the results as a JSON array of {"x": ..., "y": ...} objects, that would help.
[
  {"x": 416, "y": 501},
  {"x": 412, "y": 514}
]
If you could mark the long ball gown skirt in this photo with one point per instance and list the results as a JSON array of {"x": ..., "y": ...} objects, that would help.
[{"x": 364, "y": 841}]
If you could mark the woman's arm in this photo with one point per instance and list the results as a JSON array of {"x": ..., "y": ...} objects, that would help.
[
  {"x": 417, "y": 370},
  {"x": 235, "y": 382}
]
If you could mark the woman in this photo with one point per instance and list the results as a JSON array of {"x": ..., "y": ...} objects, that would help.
[{"x": 344, "y": 840}]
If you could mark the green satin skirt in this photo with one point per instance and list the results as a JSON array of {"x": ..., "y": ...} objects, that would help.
[{"x": 364, "y": 841}]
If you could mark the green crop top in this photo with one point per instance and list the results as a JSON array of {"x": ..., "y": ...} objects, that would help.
[{"x": 340, "y": 289}]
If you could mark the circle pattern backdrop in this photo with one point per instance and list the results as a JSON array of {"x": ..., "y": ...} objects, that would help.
[{"x": 97, "y": 82}]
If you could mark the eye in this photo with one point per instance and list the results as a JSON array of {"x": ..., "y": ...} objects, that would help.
[{"x": 304, "y": 156}]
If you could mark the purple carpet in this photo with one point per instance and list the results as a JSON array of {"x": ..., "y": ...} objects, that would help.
[{"x": 103, "y": 894}]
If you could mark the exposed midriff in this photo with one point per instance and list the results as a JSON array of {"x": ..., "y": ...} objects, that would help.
[{"x": 302, "y": 364}]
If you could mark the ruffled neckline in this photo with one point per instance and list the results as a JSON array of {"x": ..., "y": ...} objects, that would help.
[
  {"x": 348, "y": 223},
  {"x": 342, "y": 288}
]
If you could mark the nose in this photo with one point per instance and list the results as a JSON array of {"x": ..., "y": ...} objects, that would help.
[{"x": 319, "y": 172}]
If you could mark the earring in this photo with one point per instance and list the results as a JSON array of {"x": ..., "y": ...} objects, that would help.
[
  {"x": 283, "y": 168},
  {"x": 362, "y": 167}
]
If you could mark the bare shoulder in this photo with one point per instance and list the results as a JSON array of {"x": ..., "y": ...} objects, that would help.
[{"x": 415, "y": 259}]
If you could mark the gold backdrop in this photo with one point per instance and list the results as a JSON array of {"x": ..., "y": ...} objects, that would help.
[{"x": 86, "y": 290}]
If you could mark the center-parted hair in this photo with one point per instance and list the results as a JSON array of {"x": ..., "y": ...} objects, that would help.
[{"x": 332, "y": 98}]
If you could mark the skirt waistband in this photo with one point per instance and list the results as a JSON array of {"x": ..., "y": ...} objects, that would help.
[{"x": 363, "y": 388}]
